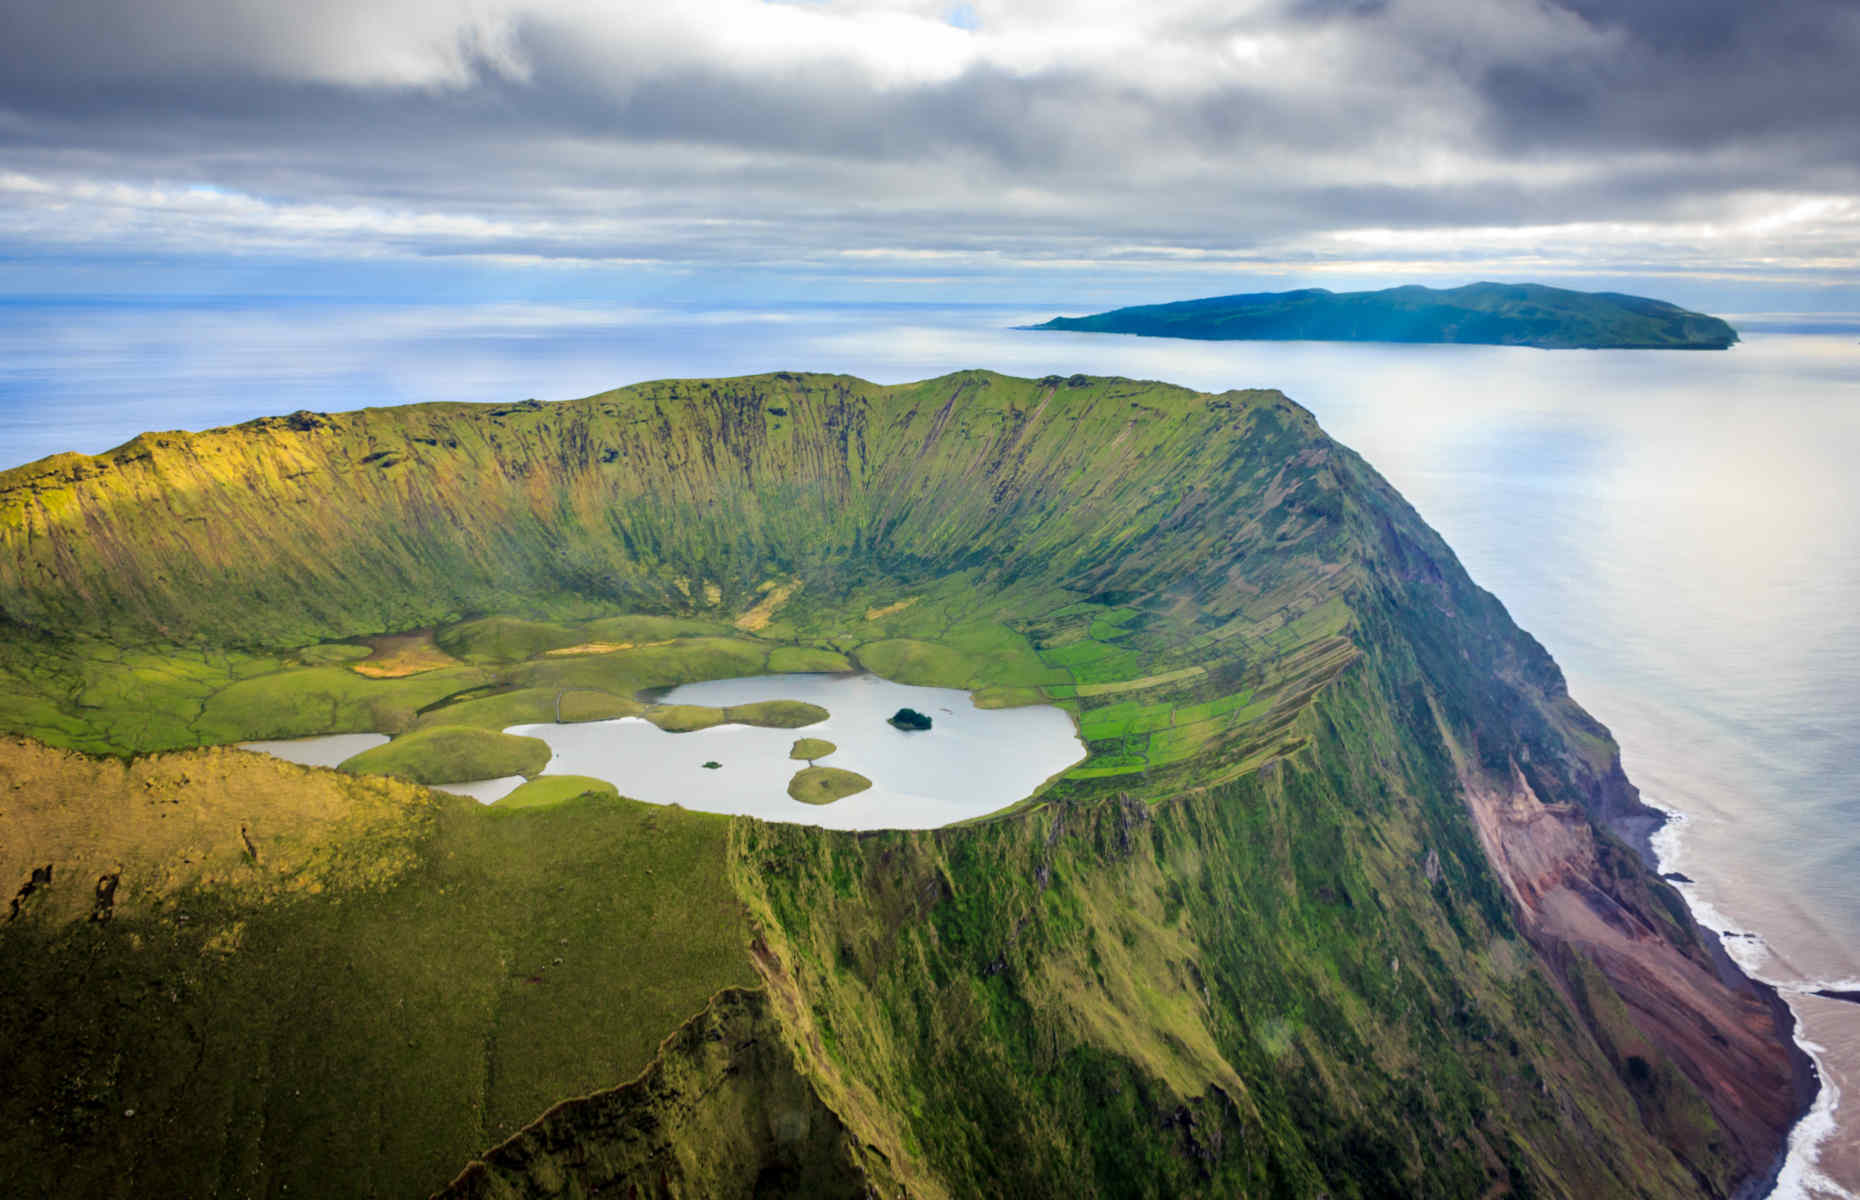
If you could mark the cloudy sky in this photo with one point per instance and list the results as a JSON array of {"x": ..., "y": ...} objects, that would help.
[{"x": 1177, "y": 146}]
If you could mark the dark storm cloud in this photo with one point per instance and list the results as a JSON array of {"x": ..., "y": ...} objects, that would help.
[
  {"x": 741, "y": 132},
  {"x": 1692, "y": 75}
]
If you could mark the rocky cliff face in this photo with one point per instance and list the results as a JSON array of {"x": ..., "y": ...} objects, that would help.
[
  {"x": 1565, "y": 833},
  {"x": 1332, "y": 907}
]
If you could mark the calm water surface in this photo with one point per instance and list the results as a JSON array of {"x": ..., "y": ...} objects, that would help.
[
  {"x": 332, "y": 749},
  {"x": 1681, "y": 530}
]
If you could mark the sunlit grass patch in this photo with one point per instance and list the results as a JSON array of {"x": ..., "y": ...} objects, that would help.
[
  {"x": 880, "y": 612},
  {"x": 776, "y": 714},
  {"x": 1008, "y": 697},
  {"x": 640, "y": 629},
  {"x": 495, "y": 710},
  {"x": 806, "y": 660},
  {"x": 982, "y": 654},
  {"x": 684, "y": 718},
  {"x": 907, "y": 660},
  {"x": 1103, "y": 765},
  {"x": 452, "y": 754},
  {"x": 545, "y": 791},
  {"x": 774, "y": 594},
  {"x": 587, "y": 704},
  {"x": 397, "y": 655},
  {"x": 1141, "y": 682},
  {"x": 1123, "y": 718},
  {"x": 681, "y": 660},
  {"x": 589, "y": 648},
  {"x": 313, "y": 700},
  {"x": 824, "y": 785},
  {"x": 505, "y": 639},
  {"x": 809, "y": 749}
]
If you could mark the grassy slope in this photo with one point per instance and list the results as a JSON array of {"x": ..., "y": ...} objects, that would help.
[
  {"x": 1253, "y": 989},
  {"x": 453, "y": 754},
  {"x": 1189, "y": 574},
  {"x": 776, "y": 714},
  {"x": 1068, "y": 501},
  {"x": 811, "y": 748},
  {"x": 656, "y": 496},
  {"x": 396, "y": 981},
  {"x": 548, "y": 790},
  {"x": 1485, "y": 313}
]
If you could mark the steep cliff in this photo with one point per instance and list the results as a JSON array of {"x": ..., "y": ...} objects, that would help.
[{"x": 1332, "y": 907}]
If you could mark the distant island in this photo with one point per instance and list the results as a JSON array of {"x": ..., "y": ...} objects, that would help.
[{"x": 1490, "y": 314}]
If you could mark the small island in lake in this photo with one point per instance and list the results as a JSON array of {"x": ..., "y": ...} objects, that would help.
[
  {"x": 809, "y": 748},
  {"x": 909, "y": 720},
  {"x": 1493, "y": 314},
  {"x": 824, "y": 785}
]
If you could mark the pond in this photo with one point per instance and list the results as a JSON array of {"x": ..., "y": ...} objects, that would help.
[
  {"x": 330, "y": 750},
  {"x": 971, "y": 762}
]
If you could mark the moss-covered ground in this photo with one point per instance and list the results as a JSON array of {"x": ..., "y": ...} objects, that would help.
[
  {"x": 546, "y": 791},
  {"x": 807, "y": 659},
  {"x": 684, "y": 718},
  {"x": 824, "y": 785},
  {"x": 809, "y": 748},
  {"x": 452, "y": 754},
  {"x": 393, "y": 982},
  {"x": 776, "y": 714}
]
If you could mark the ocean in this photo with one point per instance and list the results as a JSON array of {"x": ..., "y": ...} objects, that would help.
[{"x": 1681, "y": 530}]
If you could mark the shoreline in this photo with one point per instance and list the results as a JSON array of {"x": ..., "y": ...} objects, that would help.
[{"x": 1653, "y": 833}]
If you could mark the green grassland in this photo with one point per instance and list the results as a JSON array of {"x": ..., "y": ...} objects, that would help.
[
  {"x": 1251, "y": 945},
  {"x": 806, "y": 659},
  {"x": 684, "y": 718},
  {"x": 776, "y": 714},
  {"x": 498, "y": 706},
  {"x": 824, "y": 785},
  {"x": 397, "y": 980},
  {"x": 504, "y": 639},
  {"x": 547, "y": 791},
  {"x": 452, "y": 754},
  {"x": 810, "y": 749}
]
